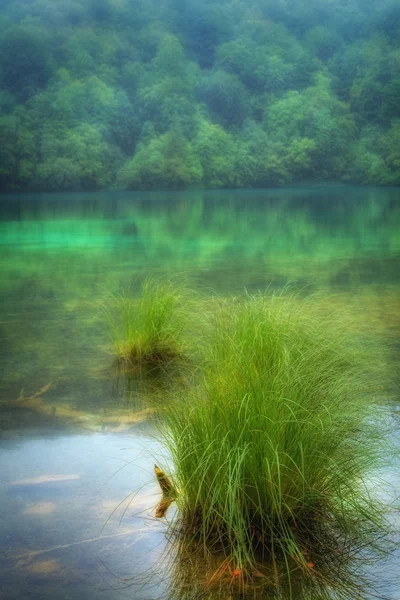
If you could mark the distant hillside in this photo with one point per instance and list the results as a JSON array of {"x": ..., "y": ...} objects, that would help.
[{"x": 141, "y": 94}]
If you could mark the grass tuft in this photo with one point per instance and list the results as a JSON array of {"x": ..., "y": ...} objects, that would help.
[
  {"x": 273, "y": 448},
  {"x": 149, "y": 328}
]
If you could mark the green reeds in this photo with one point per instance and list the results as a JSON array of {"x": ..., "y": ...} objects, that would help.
[
  {"x": 273, "y": 448},
  {"x": 149, "y": 328}
]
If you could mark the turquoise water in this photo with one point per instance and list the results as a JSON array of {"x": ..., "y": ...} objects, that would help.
[{"x": 68, "y": 421}]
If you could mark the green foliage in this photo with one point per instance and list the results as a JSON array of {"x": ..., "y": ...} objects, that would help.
[
  {"x": 319, "y": 117},
  {"x": 273, "y": 447},
  {"x": 226, "y": 97},
  {"x": 216, "y": 149},
  {"x": 83, "y": 159},
  {"x": 391, "y": 151},
  {"x": 322, "y": 41},
  {"x": 307, "y": 79},
  {"x": 18, "y": 153},
  {"x": 165, "y": 162},
  {"x": 25, "y": 60},
  {"x": 205, "y": 26},
  {"x": 375, "y": 157},
  {"x": 149, "y": 328}
]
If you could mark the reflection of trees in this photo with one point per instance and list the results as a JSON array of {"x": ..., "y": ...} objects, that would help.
[
  {"x": 296, "y": 235},
  {"x": 59, "y": 256}
]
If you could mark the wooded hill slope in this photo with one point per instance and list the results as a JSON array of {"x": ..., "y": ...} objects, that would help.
[{"x": 140, "y": 94}]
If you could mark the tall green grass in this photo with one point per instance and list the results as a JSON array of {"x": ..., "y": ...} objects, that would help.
[
  {"x": 272, "y": 449},
  {"x": 149, "y": 328}
]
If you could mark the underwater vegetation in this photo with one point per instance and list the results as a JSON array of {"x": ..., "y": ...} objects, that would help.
[
  {"x": 149, "y": 329},
  {"x": 274, "y": 448}
]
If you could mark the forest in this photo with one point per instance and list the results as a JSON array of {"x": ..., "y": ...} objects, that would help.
[{"x": 170, "y": 94}]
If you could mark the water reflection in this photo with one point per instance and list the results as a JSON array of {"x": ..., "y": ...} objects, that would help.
[
  {"x": 191, "y": 573},
  {"x": 66, "y": 524},
  {"x": 60, "y": 256}
]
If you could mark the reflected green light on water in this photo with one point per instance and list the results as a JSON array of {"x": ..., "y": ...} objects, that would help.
[{"x": 61, "y": 255}]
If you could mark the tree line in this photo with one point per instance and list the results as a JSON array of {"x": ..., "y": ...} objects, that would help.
[{"x": 149, "y": 94}]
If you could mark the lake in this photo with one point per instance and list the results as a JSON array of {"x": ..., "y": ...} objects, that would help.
[{"x": 77, "y": 447}]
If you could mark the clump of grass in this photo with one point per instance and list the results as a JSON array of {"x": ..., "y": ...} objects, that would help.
[
  {"x": 272, "y": 449},
  {"x": 149, "y": 328}
]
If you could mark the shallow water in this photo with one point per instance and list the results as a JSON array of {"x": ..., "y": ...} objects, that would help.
[
  {"x": 64, "y": 530},
  {"x": 60, "y": 256}
]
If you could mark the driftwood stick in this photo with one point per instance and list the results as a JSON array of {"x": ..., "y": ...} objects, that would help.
[
  {"x": 166, "y": 486},
  {"x": 168, "y": 492}
]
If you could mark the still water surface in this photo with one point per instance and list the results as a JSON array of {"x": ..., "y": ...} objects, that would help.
[{"x": 75, "y": 439}]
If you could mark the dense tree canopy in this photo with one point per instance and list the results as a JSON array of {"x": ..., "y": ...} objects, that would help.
[{"x": 142, "y": 94}]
